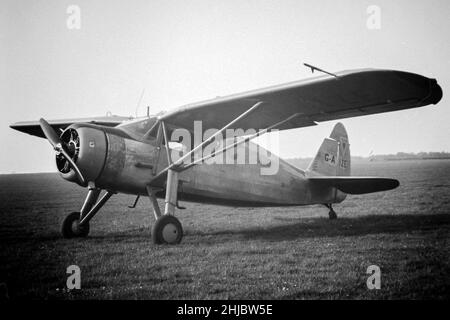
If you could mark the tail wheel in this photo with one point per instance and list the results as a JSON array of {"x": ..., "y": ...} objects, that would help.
[
  {"x": 167, "y": 230},
  {"x": 71, "y": 227},
  {"x": 332, "y": 215}
]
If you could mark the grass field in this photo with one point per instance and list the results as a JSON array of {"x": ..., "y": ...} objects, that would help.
[{"x": 268, "y": 253}]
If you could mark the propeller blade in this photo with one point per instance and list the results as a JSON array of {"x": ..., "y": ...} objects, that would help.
[
  {"x": 54, "y": 140},
  {"x": 49, "y": 133},
  {"x": 73, "y": 165}
]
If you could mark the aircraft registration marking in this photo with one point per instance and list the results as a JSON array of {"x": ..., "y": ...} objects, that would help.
[{"x": 330, "y": 159}]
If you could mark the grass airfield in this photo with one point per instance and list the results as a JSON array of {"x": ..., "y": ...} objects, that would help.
[{"x": 233, "y": 253}]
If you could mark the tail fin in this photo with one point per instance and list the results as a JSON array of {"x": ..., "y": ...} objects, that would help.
[
  {"x": 331, "y": 169},
  {"x": 333, "y": 157}
]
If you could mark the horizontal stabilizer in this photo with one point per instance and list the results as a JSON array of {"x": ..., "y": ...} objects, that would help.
[{"x": 357, "y": 185}]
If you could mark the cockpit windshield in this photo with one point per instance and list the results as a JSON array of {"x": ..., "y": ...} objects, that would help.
[{"x": 139, "y": 127}]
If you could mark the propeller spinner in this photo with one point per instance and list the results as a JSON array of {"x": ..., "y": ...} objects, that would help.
[{"x": 60, "y": 147}]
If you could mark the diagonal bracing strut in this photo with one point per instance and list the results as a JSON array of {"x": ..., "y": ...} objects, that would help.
[
  {"x": 176, "y": 164},
  {"x": 243, "y": 140}
]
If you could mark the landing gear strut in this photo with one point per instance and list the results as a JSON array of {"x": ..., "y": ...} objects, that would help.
[
  {"x": 167, "y": 229},
  {"x": 76, "y": 224},
  {"x": 331, "y": 214}
]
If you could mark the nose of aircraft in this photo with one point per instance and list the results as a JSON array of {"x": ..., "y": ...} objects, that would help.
[{"x": 60, "y": 147}]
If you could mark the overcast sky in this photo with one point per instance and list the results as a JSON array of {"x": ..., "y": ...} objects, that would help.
[{"x": 181, "y": 52}]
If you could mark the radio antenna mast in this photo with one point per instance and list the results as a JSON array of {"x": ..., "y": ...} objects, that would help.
[
  {"x": 139, "y": 101},
  {"x": 320, "y": 70}
]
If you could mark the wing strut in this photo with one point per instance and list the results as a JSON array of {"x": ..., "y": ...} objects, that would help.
[
  {"x": 243, "y": 140},
  {"x": 166, "y": 142},
  {"x": 175, "y": 165}
]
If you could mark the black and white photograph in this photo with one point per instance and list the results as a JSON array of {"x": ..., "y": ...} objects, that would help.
[{"x": 237, "y": 152}]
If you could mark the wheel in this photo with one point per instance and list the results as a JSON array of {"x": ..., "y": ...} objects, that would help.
[
  {"x": 167, "y": 230},
  {"x": 71, "y": 228},
  {"x": 332, "y": 214}
]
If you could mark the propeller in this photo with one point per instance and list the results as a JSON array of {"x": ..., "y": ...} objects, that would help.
[{"x": 56, "y": 143}]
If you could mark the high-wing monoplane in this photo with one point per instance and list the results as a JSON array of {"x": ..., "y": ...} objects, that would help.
[{"x": 156, "y": 156}]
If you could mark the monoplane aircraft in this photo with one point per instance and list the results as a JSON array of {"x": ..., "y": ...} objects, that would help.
[{"x": 136, "y": 156}]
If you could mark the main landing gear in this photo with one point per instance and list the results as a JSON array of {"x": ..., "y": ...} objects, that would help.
[
  {"x": 331, "y": 214},
  {"x": 71, "y": 227},
  {"x": 76, "y": 224},
  {"x": 167, "y": 229}
]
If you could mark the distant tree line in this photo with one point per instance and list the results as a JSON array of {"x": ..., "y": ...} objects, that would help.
[
  {"x": 387, "y": 157},
  {"x": 408, "y": 156}
]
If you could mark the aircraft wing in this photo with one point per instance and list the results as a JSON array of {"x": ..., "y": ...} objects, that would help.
[
  {"x": 356, "y": 185},
  {"x": 33, "y": 127},
  {"x": 352, "y": 93}
]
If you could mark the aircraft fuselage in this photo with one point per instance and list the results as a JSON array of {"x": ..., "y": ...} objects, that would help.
[{"x": 131, "y": 165}]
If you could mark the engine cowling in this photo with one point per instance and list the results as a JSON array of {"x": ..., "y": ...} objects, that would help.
[
  {"x": 88, "y": 148},
  {"x": 110, "y": 160}
]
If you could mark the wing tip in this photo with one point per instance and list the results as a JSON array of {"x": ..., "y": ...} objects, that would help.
[
  {"x": 436, "y": 93},
  {"x": 15, "y": 126}
]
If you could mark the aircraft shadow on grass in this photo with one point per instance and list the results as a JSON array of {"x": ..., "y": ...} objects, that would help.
[
  {"x": 294, "y": 228},
  {"x": 342, "y": 227}
]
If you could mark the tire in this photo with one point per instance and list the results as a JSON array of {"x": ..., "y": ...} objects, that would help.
[
  {"x": 167, "y": 230},
  {"x": 70, "y": 227},
  {"x": 332, "y": 215}
]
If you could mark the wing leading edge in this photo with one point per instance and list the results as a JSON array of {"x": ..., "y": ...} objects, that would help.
[{"x": 33, "y": 128}]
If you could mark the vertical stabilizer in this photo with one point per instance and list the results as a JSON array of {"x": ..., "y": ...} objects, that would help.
[{"x": 333, "y": 157}]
